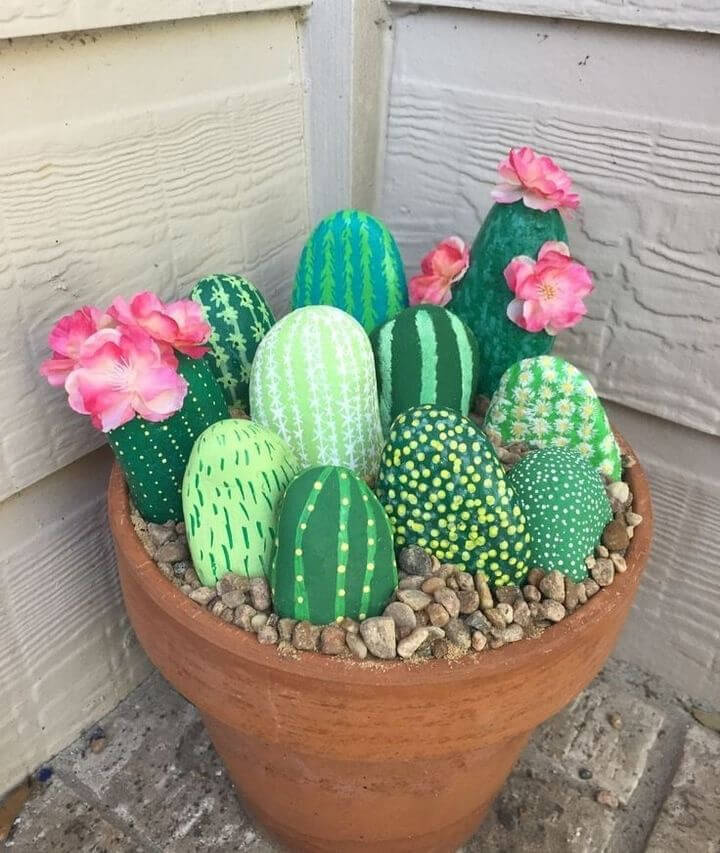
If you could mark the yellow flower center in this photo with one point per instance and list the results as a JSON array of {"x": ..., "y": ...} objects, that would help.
[{"x": 547, "y": 289}]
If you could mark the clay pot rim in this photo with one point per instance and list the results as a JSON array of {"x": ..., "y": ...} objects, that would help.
[{"x": 237, "y": 642}]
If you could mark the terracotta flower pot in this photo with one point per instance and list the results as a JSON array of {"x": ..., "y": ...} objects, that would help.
[{"x": 332, "y": 755}]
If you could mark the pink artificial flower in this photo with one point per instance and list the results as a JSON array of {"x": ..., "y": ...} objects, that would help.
[
  {"x": 121, "y": 373},
  {"x": 67, "y": 337},
  {"x": 179, "y": 324},
  {"x": 548, "y": 292},
  {"x": 537, "y": 180},
  {"x": 445, "y": 265}
]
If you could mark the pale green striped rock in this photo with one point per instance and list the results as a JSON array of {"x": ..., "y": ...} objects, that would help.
[{"x": 313, "y": 383}]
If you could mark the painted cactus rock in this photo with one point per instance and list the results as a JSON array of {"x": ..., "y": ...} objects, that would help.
[
  {"x": 351, "y": 261},
  {"x": 444, "y": 489},
  {"x": 153, "y": 455},
  {"x": 233, "y": 484},
  {"x": 548, "y": 402},
  {"x": 240, "y": 318},
  {"x": 482, "y": 297},
  {"x": 566, "y": 507},
  {"x": 424, "y": 355},
  {"x": 313, "y": 382},
  {"x": 335, "y": 554}
]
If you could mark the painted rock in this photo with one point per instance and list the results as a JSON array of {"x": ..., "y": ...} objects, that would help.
[
  {"x": 482, "y": 297},
  {"x": 240, "y": 318},
  {"x": 444, "y": 489},
  {"x": 548, "y": 402},
  {"x": 313, "y": 382},
  {"x": 566, "y": 507},
  {"x": 351, "y": 261},
  {"x": 236, "y": 476},
  {"x": 335, "y": 553},
  {"x": 424, "y": 355}
]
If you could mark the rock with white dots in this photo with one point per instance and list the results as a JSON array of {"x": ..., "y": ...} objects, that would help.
[
  {"x": 548, "y": 402},
  {"x": 234, "y": 482},
  {"x": 334, "y": 556},
  {"x": 564, "y": 501},
  {"x": 444, "y": 489},
  {"x": 153, "y": 456}
]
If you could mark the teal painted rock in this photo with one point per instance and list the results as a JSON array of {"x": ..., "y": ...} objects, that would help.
[
  {"x": 240, "y": 318},
  {"x": 351, "y": 261},
  {"x": 548, "y": 402},
  {"x": 424, "y": 355},
  {"x": 153, "y": 455},
  {"x": 482, "y": 297},
  {"x": 444, "y": 489},
  {"x": 234, "y": 481},
  {"x": 335, "y": 554},
  {"x": 313, "y": 383},
  {"x": 564, "y": 501}
]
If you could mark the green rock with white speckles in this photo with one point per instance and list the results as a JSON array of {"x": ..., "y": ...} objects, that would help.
[
  {"x": 548, "y": 402},
  {"x": 234, "y": 481},
  {"x": 444, "y": 489},
  {"x": 335, "y": 551},
  {"x": 566, "y": 507}
]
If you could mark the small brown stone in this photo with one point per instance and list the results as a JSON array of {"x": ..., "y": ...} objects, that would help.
[
  {"x": 438, "y": 614},
  {"x": 619, "y": 562},
  {"x": 231, "y": 582},
  {"x": 552, "y": 610},
  {"x": 495, "y": 617},
  {"x": 533, "y": 631},
  {"x": 166, "y": 569},
  {"x": 535, "y": 576},
  {"x": 521, "y": 613},
  {"x": 403, "y": 616},
  {"x": 172, "y": 552},
  {"x": 506, "y": 611},
  {"x": 357, "y": 646},
  {"x": 479, "y": 641},
  {"x": 512, "y": 633},
  {"x": 552, "y": 586},
  {"x": 458, "y": 633},
  {"x": 531, "y": 593},
  {"x": 483, "y": 588},
  {"x": 506, "y": 594},
  {"x": 432, "y": 584},
  {"x": 268, "y": 634},
  {"x": 615, "y": 536},
  {"x": 184, "y": 588},
  {"x": 414, "y": 598},
  {"x": 422, "y": 618},
  {"x": 441, "y": 648},
  {"x": 411, "y": 582},
  {"x": 445, "y": 570},
  {"x": 244, "y": 616},
  {"x": 449, "y": 600},
  {"x": 203, "y": 595},
  {"x": 590, "y": 587},
  {"x": 409, "y": 645},
  {"x": 332, "y": 640},
  {"x": 234, "y": 598},
  {"x": 306, "y": 636},
  {"x": 601, "y": 551},
  {"x": 349, "y": 625},
  {"x": 607, "y": 799},
  {"x": 581, "y": 592},
  {"x": 258, "y": 621},
  {"x": 452, "y": 582},
  {"x": 259, "y": 594},
  {"x": 160, "y": 534},
  {"x": 630, "y": 532},
  {"x": 286, "y": 628},
  {"x": 465, "y": 581},
  {"x": 571, "y": 594},
  {"x": 496, "y": 643},
  {"x": 632, "y": 519},
  {"x": 615, "y": 720},
  {"x": 603, "y": 572},
  {"x": 469, "y": 600},
  {"x": 191, "y": 577}
]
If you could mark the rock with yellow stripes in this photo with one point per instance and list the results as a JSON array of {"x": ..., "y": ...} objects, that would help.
[
  {"x": 334, "y": 555},
  {"x": 444, "y": 489},
  {"x": 424, "y": 355},
  {"x": 234, "y": 481}
]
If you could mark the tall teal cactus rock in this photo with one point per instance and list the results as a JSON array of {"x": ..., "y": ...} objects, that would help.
[
  {"x": 335, "y": 553},
  {"x": 240, "y": 318},
  {"x": 352, "y": 261},
  {"x": 482, "y": 297},
  {"x": 444, "y": 489},
  {"x": 424, "y": 355},
  {"x": 154, "y": 455},
  {"x": 313, "y": 382},
  {"x": 233, "y": 484}
]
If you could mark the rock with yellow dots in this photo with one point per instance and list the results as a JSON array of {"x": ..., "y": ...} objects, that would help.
[
  {"x": 334, "y": 555},
  {"x": 564, "y": 501},
  {"x": 444, "y": 489}
]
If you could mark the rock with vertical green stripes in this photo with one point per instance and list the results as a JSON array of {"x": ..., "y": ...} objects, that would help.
[
  {"x": 444, "y": 489},
  {"x": 313, "y": 382},
  {"x": 351, "y": 261},
  {"x": 424, "y": 355},
  {"x": 240, "y": 317},
  {"x": 548, "y": 402},
  {"x": 564, "y": 501},
  {"x": 335, "y": 554},
  {"x": 234, "y": 481}
]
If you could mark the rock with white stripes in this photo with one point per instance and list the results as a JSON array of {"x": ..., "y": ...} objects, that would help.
[
  {"x": 313, "y": 383},
  {"x": 424, "y": 355}
]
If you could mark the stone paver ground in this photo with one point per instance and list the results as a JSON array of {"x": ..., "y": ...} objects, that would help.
[{"x": 158, "y": 787}]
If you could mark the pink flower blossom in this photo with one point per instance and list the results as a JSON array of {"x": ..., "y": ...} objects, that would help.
[
  {"x": 179, "y": 324},
  {"x": 537, "y": 180},
  {"x": 445, "y": 265},
  {"x": 548, "y": 292},
  {"x": 120, "y": 373},
  {"x": 67, "y": 337}
]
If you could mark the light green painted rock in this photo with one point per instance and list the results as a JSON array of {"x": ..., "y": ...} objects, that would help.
[
  {"x": 548, "y": 402},
  {"x": 235, "y": 478},
  {"x": 564, "y": 501},
  {"x": 313, "y": 383},
  {"x": 444, "y": 489}
]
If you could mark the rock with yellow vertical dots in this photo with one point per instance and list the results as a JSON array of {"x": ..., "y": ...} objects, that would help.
[{"x": 444, "y": 489}]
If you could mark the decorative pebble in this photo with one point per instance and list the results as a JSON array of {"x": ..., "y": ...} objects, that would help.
[
  {"x": 607, "y": 799},
  {"x": 618, "y": 491},
  {"x": 378, "y": 633},
  {"x": 217, "y": 608},
  {"x": 357, "y": 646},
  {"x": 521, "y": 613},
  {"x": 422, "y": 618},
  {"x": 403, "y": 616},
  {"x": 449, "y": 601},
  {"x": 285, "y": 629},
  {"x": 552, "y": 586},
  {"x": 203, "y": 595},
  {"x": 615, "y": 536},
  {"x": 234, "y": 598},
  {"x": 603, "y": 572},
  {"x": 350, "y": 625},
  {"x": 469, "y": 601},
  {"x": 172, "y": 552},
  {"x": 615, "y": 720},
  {"x": 483, "y": 588},
  {"x": 267, "y": 635},
  {"x": 410, "y": 644},
  {"x": 259, "y": 594},
  {"x": 478, "y": 621},
  {"x": 591, "y": 587},
  {"x": 229, "y": 583},
  {"x": 244, "y": 616},
  {"x": 414, "y": 598},
  {"x": 411, "y": 582},
  {"x": 332, "y": 640},
  {"x": 458, "y": 633},
  {"x": 584, "y": 773},
  {"x": 572, "y": 597},
  {"x": 511, "y": 634},
  {"x": 258, "y": 621},
  {"x": 465, "y": 581},
  {"x": 506, "y": 611},
  {"x": 441, "y": 649},
  {"x": 534, "y": 577},
  {"x": 619, "y": 562},
  {"x": 495, "y": 617},
  {"x": 633, "y": 518},
  {"x": 478, "y": 641},
  {"x": 438, "y": 614},
  {"x": 414, "y": 560},
  {"x": 431, "y": 585},
  {"x": 531, "y": 593},
  {"x": 161, "y": 533},
  {"x": 601, "y": 551},
  {"x": 306, "y": 636},
  {"x": 551, "y": 610}
]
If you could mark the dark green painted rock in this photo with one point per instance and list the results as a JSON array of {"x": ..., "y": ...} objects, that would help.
[
  {"x": 154, "y": 455},
  {"x": 335, "y": 551},
  {"x": 234, "y": 481},
  {"x": 352, "y": 261},
  {"x": 564, "y": 501},
  {"x": 444, "y": 489},
  {"x": 482, "y": 297},
  {"x": 240, "y": 317},
  {"x": 424, "y": 355}
]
